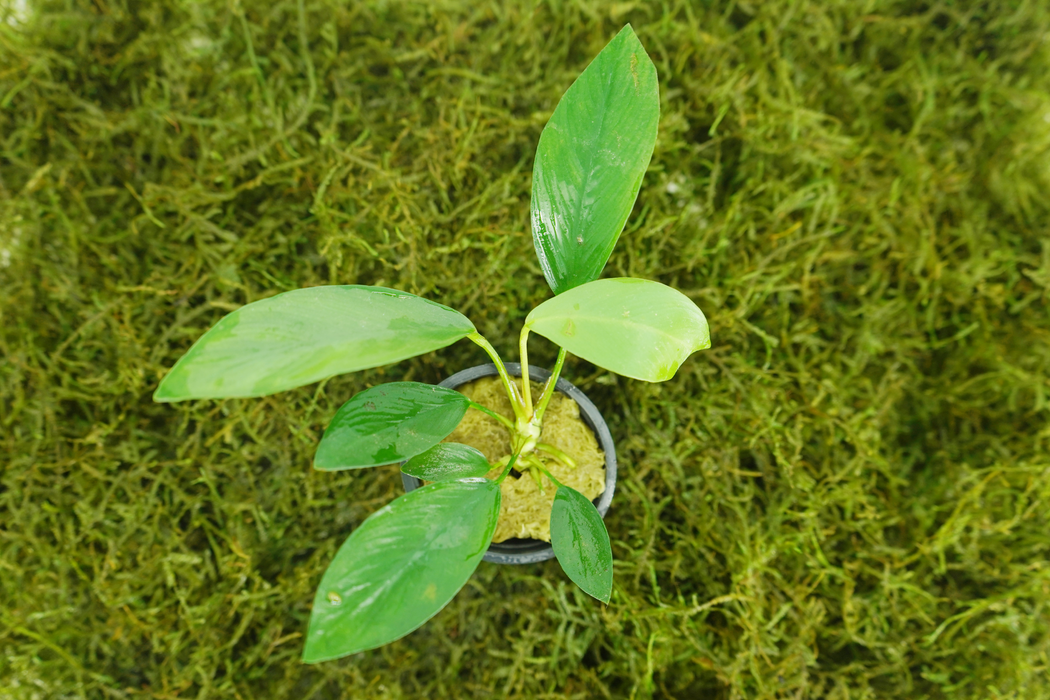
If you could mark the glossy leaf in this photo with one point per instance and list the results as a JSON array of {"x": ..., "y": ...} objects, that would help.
[
  {"x": 581, "y": 543},
  {"x": 590, "y": 161},
  {"x": 306, "y": 335},
  {"x": 447, "y": 461},
  {"x": 637, "y": 328},
  {"x": 401, "y": 566},
  {"x": 389, "y": 423}
]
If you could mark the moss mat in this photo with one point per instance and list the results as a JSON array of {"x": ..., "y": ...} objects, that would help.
[{"x": 847, "y": 496}]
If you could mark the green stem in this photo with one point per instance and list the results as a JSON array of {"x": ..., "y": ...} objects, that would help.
[
  {"x": 548, "y": 390},
  {"x": 506, "y": 470},
  {"x": 534, "y": 471},
  {"x": 512, "y": 391},
  {"x": 485, "y": 409},
  {"x": 557, "y": 454},
  {"x": 549, "y": 475},
  {"x": 533, "y": 466},
  {"x": 526, "y": 384}
]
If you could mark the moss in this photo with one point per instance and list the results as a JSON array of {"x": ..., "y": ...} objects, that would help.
[
  {"x": 846, "y": 497},
  {"x": 525, "y": 510}
]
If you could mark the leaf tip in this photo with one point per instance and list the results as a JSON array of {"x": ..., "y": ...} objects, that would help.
[
  {"x": 163, "y": 393},
  {"x": 324, "y": 461}
]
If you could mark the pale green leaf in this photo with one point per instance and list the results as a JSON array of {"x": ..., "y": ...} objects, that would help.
[
  {"x": 307, "y": 335},
  {"x": 634, "y": 327}
]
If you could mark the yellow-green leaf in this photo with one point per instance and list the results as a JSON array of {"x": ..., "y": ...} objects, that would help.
[{"x": 634, "y": 327}]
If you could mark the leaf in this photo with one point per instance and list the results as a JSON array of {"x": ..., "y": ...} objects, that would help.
[
  {"x": 590, "y": 161},
  {"x": 634, "y": 327},
  {"x": 401, "y": 566},
  {"x": 447, "y": 461},
  {"x": 389, "y": 423},
  {"x": 306, "y": 335},
  {"x": 581, "y": 543}
]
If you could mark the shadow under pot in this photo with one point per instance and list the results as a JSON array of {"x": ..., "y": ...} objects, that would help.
[{"x": 530, "y": 551}]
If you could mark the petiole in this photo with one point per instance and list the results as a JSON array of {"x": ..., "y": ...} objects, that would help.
[
  {"x": 506, "y": 469},
  {"x": 556, "y": 454},
  {"x": 526, "y": 383},
  {"x": 516, "y": 401},
  {"x": 548, "y": 389},
  {"x": 485, "y": 409}
]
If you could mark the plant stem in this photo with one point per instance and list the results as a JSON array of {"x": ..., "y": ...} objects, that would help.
[
  {"x": 526, "y": 383},
  {"x": 512, "y": 391},
  {"x": 502, "y": 419},
  {"x": 549, "y": 475},
  {"x": 557, "y": 454},
  {"x": 506, "y": 470},
  {"x": 536, "y": 466},
  {"x": 548, "y": 390}
]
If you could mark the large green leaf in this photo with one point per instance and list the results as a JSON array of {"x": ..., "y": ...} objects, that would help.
[
  {"x": 305, "y": 335},
  {"x": 637, "y": 328},
  {"x": 581, "y": 543},
  {"x": 590, "y": 162},
  {"x": 447, "y": 461},
  {"x": 389, "y": 423},
  {"x": 401, "y": 566}
]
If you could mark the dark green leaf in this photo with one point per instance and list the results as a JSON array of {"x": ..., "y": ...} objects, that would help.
[
  {"x": 590, "y": 162},
  {"x": 401, "y": 566},
  {"x": 306, "y": 335},
  {"x": 447, "y": 461},
  {"x": 581, "y": 543},
  {"x": 389, "y": 423},
  {"x": 637, "y": 328}
]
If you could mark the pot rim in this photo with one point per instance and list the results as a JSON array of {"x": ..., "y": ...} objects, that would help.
[{"x": 529, "y": 551}]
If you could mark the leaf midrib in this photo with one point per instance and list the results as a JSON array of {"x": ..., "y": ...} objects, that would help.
[
  {"x": 605, "y": 320},
  {"x": 581, "y": 193}
]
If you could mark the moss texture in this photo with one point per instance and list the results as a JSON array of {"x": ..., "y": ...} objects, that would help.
[
  {"x": 847, "y": 496},
  {"x": 525, "y": 510}
]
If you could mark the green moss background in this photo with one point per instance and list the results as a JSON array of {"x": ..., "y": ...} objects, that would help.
[{"x": 847, "y": 496}]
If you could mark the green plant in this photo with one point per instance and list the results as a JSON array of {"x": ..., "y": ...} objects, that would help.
[{"x": 407, "y": 560}]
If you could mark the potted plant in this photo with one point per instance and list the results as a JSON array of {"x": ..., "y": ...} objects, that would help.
[{"x": 409, "y": 558}]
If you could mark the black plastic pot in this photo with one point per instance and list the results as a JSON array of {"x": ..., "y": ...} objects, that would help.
[{"x": 529, "y": 551}]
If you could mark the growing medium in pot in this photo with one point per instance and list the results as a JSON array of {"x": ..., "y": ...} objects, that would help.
[
  {"x": 408, "y": 559},
  {"x": 573, "y": 425}
]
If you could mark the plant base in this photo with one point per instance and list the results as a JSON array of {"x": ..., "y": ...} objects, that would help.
[
  {"x": 525, "y": 509},
  {"x": 522, "y": 550}
]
